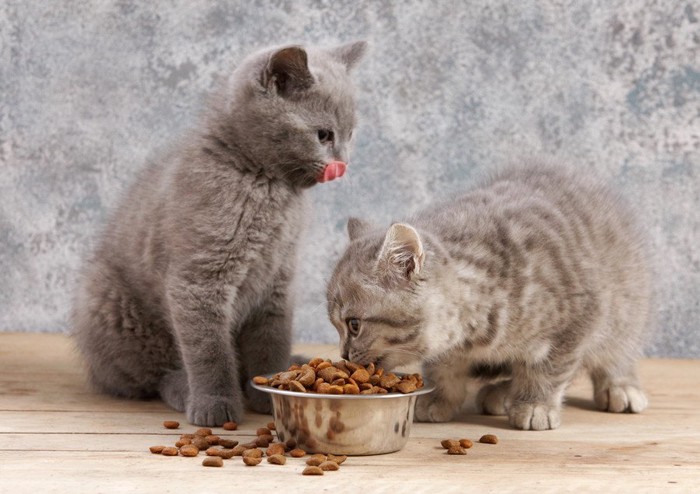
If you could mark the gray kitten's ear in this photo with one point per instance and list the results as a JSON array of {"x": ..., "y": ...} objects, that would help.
[
  {"x": 401, "y": 256},
  {"x": 358, "y": 228},
  {"x": 351, "y": 53},
  {"x": 287, "y": 70}
]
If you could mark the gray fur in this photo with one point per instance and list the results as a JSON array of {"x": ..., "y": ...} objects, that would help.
[
  {"x": 537, "y": 273},
  {"x": 187, "y": 295}
]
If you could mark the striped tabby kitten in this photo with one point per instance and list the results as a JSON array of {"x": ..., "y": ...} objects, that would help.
[
  {"x": 531, "y": 277},
  {"x": 187, "y": 295}
]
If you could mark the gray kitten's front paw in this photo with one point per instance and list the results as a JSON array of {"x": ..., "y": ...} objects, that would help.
[
  {"x": 534, "y": 416},
  {"x": 213, "y": 410},
  {"x": 430, "y": 408},
  {"x": 621, "y": 399}
]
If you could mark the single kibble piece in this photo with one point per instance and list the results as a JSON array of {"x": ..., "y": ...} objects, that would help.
[
  {"x": 189, "y": 450},
  {"x": 213, "y": 461},
  {"x": 156, "y": 450},
  {"x": 204, "y": 432},
  {"x": 277, "y": 459},
  {"x": 253, "y": 453},
  {"x": 227, "y": 443},
  {"x": 187, "y": 436},
  {"x": 238, "y": 450},
  {"x": 261, "y": 380},
  {"x": 213, "y": 451},
  {"x": 466, "y": 443},
  {"x": 171, "y": 424},
  {"x": 226, "y": 453},
  {"x": 316, "y": 460},
  {"x": 328, "y": 466},
  {"x": 312, "y": 470},
  {"x": 230, "y": 426},
  {"x": 212, "y": 440},
  {"x": 448, "y": 443},
  {"x": 200, "y": 442},
  {"x": 251, "y": 461},
  {"x": 183, "y": 442},
  {"x": 264, "y": 441},
  {"x": 456, "y": 450},
  {"x": 169, "y": 451},
  {"x": 291, "y": 443},
  {"x": 297, "y": 453},
  {"x": 271, "y": 426},
  {"x": 488, "y": 439},
  {"x": 262, "y": 431},
  {"x": 275, "y": 449},
  {"x": 250, "y": 445},
  {"x": 337, "y": 459}
]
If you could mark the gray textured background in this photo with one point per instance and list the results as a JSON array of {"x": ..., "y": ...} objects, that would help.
[{"x": 90, "y": 89}]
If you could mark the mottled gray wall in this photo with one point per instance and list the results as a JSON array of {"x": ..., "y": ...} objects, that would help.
[{"x": 90, "y": 89}]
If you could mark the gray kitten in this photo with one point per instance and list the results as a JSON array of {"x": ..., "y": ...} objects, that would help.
[
  {"x": 187, "y": 294},
  {"x": 530, "y": 277}
]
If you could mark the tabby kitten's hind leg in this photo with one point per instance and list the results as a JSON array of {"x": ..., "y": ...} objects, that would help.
[
  {"x": 494, "y": 399},
  {"x": 617, "y": 391}
]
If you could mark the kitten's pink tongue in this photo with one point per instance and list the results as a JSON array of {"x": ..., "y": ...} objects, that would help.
[{"x": 333, "y": 170}]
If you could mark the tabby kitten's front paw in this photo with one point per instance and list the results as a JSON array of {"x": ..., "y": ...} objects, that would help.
[
  {"x": 213, "y": 410},
  {"x": 433, "y": 409},
  {"x": 534, "y": 416}
]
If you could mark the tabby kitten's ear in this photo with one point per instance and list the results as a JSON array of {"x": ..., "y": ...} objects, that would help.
[
  {"x": 287, "y": 71},
  {"x": 358, "y": 228},
  {"x": 350, "y": 53},
  {"x": 401, "y": 256}
]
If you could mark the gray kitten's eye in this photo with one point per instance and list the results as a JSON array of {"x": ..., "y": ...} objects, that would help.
[
  {"x": 325, "y": 135},
  {"x": 353, "y": 325}
]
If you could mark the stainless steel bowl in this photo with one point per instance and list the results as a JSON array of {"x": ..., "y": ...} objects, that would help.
[{"x": 344, "y": 424}]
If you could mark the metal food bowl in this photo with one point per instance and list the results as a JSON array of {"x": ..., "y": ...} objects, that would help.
[{"x": 344, "y": 424}]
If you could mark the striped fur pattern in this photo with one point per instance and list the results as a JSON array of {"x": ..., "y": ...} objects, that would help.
[
  {"x": 520, "y": 283},
  {"x": 187, "y": 295}
]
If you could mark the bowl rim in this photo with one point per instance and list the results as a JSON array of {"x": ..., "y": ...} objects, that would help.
[{"x": 388, "y": 396}]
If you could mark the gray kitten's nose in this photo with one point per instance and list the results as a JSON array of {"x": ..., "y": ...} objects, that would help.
[{"x": 345, "y": 354}]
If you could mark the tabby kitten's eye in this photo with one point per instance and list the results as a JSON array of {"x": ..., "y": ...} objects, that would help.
[
  {"x": 325, "y": 135},
  {"x": 353, "y": 326}
]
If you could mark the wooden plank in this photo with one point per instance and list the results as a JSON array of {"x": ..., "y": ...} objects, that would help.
[{"x": 56, "y": 435}]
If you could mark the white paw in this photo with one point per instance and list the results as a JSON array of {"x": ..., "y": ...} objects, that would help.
[
  {"x": 534, "y": 416},
  {"x": 619, "y": 399},
  {"x": 429, "y": 409}
]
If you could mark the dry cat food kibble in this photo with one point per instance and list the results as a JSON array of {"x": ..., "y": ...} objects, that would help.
[
  {"x": 218, "y": 449},
  {"x": 466, "y": 443},
  {"x": 170, "y": 451},
  {"x": 488, "y": 439},
  {"x": 277, "y": 459},
  {"x": 342, "y": 377},
  {"x": 230, "y": 426},
  {"x": 311, "y": 470},
  {"x": 189, "y": 450},
  {"x": 171, "y": 424},
  {"x": 251, "y": 461},
  {"x": 213, "y": 461},
  {"x": 456, "y": 450}
]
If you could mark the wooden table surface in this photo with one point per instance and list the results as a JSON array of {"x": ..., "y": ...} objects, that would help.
[{"x": 56, "y": 435}]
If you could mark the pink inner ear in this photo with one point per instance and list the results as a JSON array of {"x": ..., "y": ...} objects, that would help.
[{"x": 333, "y": 170}]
